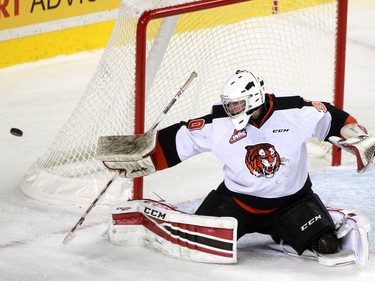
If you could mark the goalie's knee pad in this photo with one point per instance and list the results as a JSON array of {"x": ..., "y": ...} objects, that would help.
[
  {"x": 303, "y": 222},
  {"x": 327, "y": 243}
]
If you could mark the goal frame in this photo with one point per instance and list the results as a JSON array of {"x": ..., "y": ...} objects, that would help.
[{"x": 140, "y": 68}]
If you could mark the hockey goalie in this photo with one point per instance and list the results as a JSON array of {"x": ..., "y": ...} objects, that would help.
[{"x": 261, "y": 139}]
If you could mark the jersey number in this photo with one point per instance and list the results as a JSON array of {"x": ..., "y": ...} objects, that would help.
[{"x": 196, "y": 124}]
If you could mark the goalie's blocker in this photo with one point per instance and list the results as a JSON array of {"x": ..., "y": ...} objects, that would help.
[{"x": 129, "y": 154}]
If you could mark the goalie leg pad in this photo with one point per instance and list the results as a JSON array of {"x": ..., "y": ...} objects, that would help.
[
  {"x": 352, "y": 228},
  {"x": 173, "y": 233}
]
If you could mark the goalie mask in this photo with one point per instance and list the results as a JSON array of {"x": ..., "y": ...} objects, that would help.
[{"x": 243, "y": 95}]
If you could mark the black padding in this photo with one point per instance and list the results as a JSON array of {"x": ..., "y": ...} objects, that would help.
[
  {"x": 304, "y": 222},
  {"x": 210, "y": 203}
]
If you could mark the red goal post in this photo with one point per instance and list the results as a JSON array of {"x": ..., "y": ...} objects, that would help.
[{"x": 296, "y": 46}]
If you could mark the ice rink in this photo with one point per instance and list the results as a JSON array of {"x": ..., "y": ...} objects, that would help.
[{"x": 39, "y": 97}]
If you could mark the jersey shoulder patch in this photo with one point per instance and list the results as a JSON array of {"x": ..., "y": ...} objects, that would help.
[
  {"x": 198, "y": 123},
  {"x": 319, "y": 106}
]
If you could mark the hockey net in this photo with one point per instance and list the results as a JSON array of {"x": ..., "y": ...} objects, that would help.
[{"x": 296, "y": 46}]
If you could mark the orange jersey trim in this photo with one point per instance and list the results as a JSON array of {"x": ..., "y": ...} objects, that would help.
[
  {"x": 350, "y": 120},
  {"x": 251, "y": 209},
  {"x": 266, "y": 115},
  {"x": 158, "y": 158}
]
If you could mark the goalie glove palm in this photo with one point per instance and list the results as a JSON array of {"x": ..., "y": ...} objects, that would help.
[{"x": 363, "y": 147}]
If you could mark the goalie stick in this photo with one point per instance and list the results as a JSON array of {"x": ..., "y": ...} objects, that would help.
[
  {"x": 175, "y": 98},
  {"x": 70, "y": 236}
]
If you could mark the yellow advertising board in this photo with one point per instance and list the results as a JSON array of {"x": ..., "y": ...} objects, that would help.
[
  {"x": 35, "y": 29},
  {"x": 17, "y": 13}
]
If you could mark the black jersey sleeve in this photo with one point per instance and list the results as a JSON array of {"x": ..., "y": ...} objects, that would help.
[
  {"x": 339, "y": 119},
  {"x": 167, "y": 142}
]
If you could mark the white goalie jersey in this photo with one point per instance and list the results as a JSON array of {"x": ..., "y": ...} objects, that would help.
[{"x": 267, "y": 159}]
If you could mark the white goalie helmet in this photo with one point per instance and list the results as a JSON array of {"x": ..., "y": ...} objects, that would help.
[{"x": 243, "y": 94}]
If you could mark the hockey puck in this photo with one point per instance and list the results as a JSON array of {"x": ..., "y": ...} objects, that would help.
[{"x": 16, "y": 132}]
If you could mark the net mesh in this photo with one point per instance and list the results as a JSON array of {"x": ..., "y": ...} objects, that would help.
[{"x": 293, "y": 50}]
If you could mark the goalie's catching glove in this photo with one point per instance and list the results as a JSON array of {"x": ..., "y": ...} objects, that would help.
[
  {"x": 129, "y": 154},
  {"x": 356, "y": 141}
]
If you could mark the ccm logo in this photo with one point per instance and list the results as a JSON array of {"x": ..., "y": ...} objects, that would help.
[
  {"x": 154, "y": 213},
  {"x": 310, "y": 222},
  {"x": 280, "y": 131}
]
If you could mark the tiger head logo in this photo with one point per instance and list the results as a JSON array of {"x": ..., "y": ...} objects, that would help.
[{"x": 262, "y": 160}]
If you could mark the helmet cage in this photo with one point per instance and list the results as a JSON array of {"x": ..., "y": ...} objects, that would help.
[{"x": 234, "y": 107}]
